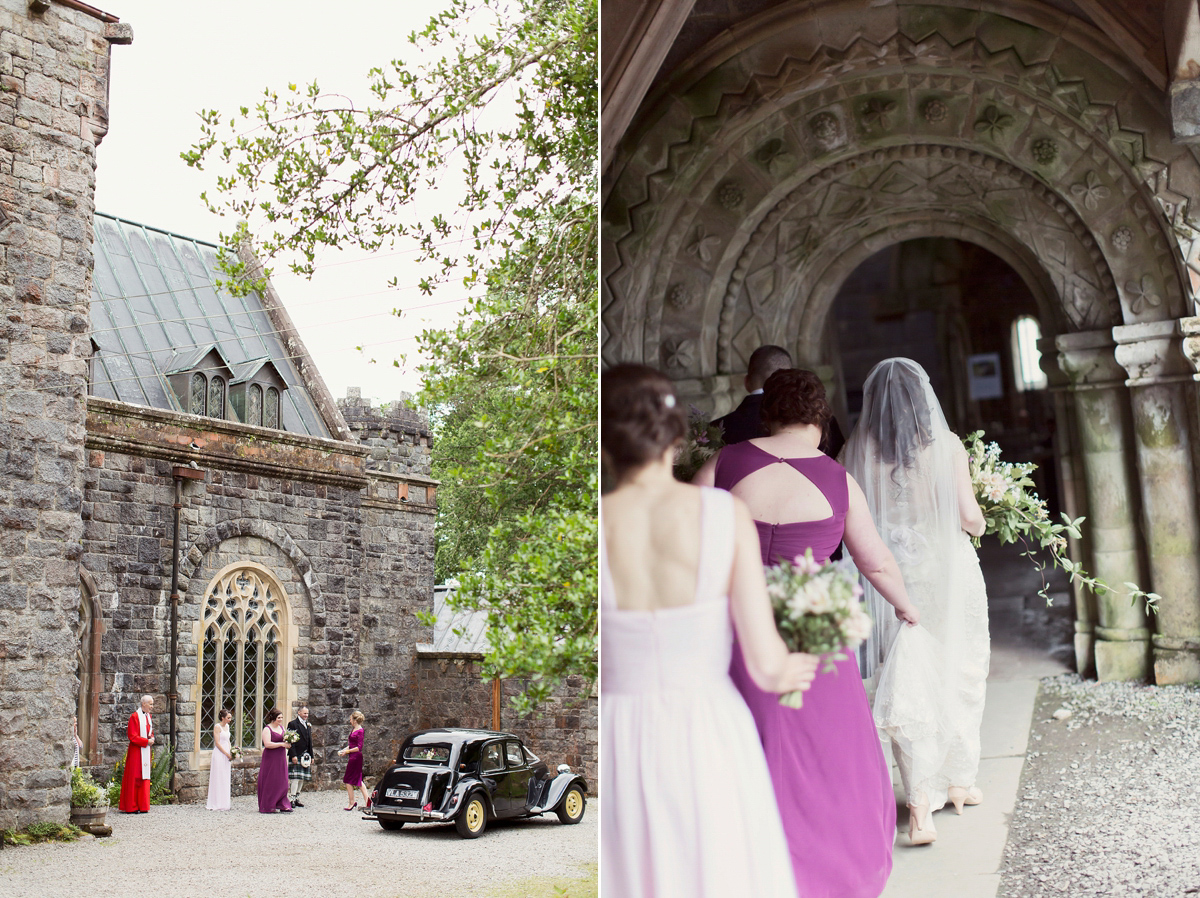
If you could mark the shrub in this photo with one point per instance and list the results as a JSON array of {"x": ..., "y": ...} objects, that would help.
[{"x": 85, "y": 791}]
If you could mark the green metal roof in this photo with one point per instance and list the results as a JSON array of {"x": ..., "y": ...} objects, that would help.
[{"x": 155, "y": 307}]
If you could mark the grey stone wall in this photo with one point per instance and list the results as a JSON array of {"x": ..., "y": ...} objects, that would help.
[
  {"x": 451, "y": 692},
  {"x": 355, "y": 571},
  {"x": 53, "y": 91}
]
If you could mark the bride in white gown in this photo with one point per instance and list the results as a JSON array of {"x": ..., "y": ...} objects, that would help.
[
  {"x": 931, "y": 678},
  {"x": 219, "y": 773}
]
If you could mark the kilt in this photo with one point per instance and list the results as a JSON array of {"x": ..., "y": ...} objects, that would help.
[{"x": 298, "y": 772}]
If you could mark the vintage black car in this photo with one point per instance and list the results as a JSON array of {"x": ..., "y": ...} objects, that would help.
[{"x": 470, "y": 777}]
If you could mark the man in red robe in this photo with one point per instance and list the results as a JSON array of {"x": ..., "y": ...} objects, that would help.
[{"x": 135, "y": 784}]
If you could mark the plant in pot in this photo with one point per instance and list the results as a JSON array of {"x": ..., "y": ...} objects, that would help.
[{"x": 89, "y": 802}]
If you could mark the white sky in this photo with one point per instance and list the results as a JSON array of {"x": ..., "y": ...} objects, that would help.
[{"x": 221, "y": 54}]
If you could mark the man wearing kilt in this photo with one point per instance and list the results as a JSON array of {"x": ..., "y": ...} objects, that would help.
[{"x": 300, "y": 756}]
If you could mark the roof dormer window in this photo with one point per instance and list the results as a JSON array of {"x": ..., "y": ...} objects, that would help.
[
  {"x": 255, "y": 392},
  {"x": 199, "y": 380}
]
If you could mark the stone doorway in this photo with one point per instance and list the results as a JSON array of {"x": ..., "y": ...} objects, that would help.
[
  {"x": 763, "y": 169},
  {"x": 942, "y": 303}
]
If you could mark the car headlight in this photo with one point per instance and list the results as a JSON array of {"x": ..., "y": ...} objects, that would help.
[{"x": 563, "y": 768}]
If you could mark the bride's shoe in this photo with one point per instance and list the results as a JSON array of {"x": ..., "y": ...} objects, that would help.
[
  {"x": 959, "y": 796},
  {"x": 920, "y": 824}
]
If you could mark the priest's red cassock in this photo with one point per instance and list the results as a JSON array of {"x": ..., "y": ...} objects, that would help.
[{"x": 135, "y": 784}]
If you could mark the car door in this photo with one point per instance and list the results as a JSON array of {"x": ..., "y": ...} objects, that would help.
[
  {"x": 516, "y": 786},
  {"x": 494, "y": 775}
]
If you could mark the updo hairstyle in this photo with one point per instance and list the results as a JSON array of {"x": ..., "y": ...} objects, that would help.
[
  {"x": 794, "y": 396},
  {"x": 273, "y": 715},
  {"x": 357, "y": 717},
  {"x": 640, "y": 417}
]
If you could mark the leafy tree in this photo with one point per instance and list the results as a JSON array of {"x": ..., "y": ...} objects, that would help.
[{"x": 513, "y": 385}]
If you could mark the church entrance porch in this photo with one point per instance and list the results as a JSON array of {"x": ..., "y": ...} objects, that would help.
[{"x": 766, "y": 165}]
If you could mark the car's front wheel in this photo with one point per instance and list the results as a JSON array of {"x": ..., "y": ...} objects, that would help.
[
  {"x": 571, "y": 809},
  {"x": 390, "y": 825},
  {"x": 472, "y": 820}
]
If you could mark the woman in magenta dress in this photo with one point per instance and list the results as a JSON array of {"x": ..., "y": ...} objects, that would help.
[
  {"x": 354, "y": 767},
  {"x": 832, "y": 784},
  {"x": 272, "y": 770}
]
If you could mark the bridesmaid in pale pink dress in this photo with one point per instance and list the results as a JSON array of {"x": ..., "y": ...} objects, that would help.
[
  {"x": 219, "y": 771},
  {"x": 688, "y": 808}
]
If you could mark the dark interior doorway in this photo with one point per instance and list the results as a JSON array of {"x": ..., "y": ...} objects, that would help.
[{"x": 970, "y": 320}]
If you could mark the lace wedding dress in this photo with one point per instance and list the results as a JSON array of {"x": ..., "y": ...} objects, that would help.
[
  {"x": 931, "y": 679},
  {"x": 219, "y": 774}
]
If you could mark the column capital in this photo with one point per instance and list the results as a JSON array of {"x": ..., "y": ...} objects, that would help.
[
  {"x": 1087, "y": 359},
  {"x": 1152, "y": 352},
  {"x": 1191, "y": 342}
]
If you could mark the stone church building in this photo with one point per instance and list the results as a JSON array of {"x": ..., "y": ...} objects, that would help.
[
  {"x": 1005, "y": 190},
  {"x": 185, "y": 510}
]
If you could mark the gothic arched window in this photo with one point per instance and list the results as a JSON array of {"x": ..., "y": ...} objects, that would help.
[
  {"x": 254, "y": 403},
  {"x": 216, "y": 397},
  {"x": 198, "y": 405},
  {"x": 242, "y": 646},
  {"x": 271, "y": 408}
]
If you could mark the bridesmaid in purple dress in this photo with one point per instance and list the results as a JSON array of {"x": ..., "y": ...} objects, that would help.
[
  {"x": 272, "y": 770},
  {"x": 832, "y": 784},
  {"x": 354, "y": 767}
]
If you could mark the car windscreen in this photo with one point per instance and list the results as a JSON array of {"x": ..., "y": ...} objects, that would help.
[{"x": 426, "y": 754}]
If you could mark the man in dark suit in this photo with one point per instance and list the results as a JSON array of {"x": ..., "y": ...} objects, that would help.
[
  {"x": 745, "y": 421},
  {"x": 300, "y": 756}
]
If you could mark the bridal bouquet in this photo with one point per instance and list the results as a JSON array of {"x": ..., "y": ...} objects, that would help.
[
  {"x": 235, "y": 752},
  {"x": 290, "y": 736},
  {"x": 817, "y": 610},
  {"x": 1013, "y": 511},
  {"x": 702, "y": 442}
]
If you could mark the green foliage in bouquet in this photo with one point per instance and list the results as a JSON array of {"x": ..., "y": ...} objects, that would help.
[
  {"x": 1013, "y": 511},
  {"x": 703, "y": 441},
  {"x": 817, "y": 610}
]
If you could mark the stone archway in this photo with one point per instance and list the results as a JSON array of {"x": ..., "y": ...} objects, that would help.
[{"x": 763, "y": 168}]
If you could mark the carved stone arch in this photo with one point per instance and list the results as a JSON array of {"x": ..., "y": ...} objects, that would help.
[
  {"x": 809, "y": 320},
  {"x": 265, "y": 530},
  {"x": 754, "y": 120},
  {"x": 953, "y": 190}
]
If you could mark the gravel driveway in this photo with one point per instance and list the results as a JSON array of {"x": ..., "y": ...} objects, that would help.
[
  {"x": 1109, "y": 802},
  {"x": 319, "y": 850}
]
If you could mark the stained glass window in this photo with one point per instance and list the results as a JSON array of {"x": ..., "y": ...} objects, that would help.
[
  {"x": 241, "y": 653},
  {"x": 254, "y": 405},
  {"x": 216, "y": 397},
  {"x": 199, "y": 394},
  {"x": 271, "y": 408}
]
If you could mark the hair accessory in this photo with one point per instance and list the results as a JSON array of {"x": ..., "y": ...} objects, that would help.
[{"x": 669, "y": 401}]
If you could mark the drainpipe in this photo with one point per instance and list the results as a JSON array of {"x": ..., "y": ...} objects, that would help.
[{"x": 179, "y": 474}]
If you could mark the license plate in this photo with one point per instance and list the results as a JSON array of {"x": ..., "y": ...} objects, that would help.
[{"x": 403, "y": 793}]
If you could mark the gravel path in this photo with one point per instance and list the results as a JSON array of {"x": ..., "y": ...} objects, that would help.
[
  {"x": 1109, "y": 802},
  {"x": 318, "y": 850}
]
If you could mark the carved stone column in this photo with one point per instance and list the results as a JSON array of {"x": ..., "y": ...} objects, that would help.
[
  {"x": 1121, "y": 638},
  {"x": 1160, "y": 381},
  {"x": 1068, "y": 459}
]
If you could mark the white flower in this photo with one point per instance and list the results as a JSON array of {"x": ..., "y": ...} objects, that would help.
[{"x": 819, "y": 599}]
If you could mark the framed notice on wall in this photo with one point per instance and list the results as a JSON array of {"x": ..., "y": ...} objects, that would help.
[{"x": 983, "y": 376}]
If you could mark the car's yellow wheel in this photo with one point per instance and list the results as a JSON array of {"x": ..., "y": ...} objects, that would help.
[
  {"x": 571, "y": 809},
  {"x": 473, "y": 819}
]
